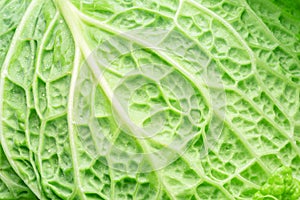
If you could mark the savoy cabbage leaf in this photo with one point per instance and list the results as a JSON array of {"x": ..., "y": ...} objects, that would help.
[{"x": 147, "y": 99}]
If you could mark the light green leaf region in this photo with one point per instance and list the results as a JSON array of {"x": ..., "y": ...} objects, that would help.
[{"x": 136, "y": 99}]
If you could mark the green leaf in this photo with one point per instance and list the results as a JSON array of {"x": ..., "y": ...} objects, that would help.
[
  {"x": 281, "y": 185},
  {"x": 11, "y": 186},
  {"x": 170, "y": 99}
]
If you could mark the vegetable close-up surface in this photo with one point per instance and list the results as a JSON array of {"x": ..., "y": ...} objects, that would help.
[{"x": 150, "y": 99}]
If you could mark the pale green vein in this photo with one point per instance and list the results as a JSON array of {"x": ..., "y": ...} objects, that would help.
[
  {"x": 93, "y": 89},
  {"x": 250, "y": 101},
  {"x": 72, "y": 133},
  {"x": 163, "y": 55},
  {"x": 98, "y": 73},
  {"x": 34, "y": 5},
  {"x": 132, "y": 9},
  {"x": 178, "y": 10},
  {"x": 202, "y": 174},
  {"x": 244, "y": 43},
  {"x": 86, "y": 50},
  {"x": 271, "y": 35},
  {"x": 252, "y": 56},
  {"x": 228, "y": 26},
  {"x": 11, "y": 185},
  {"x": 38, "y": 64},
  {"x": 8, "y": 184},
  {"x": 273, "y": 6},
  {"x": 159, "y": 193},
  {"x": 74, "y": 25},
  {"x": 275, "y": 73},
  {"x": 102, "y": 26},
  {"x": 35, "y": 87},
  {"x": 199, "y": 170},
  {"x": 257, "y": 187},
  {"x": 267, "y": 29},
  {"x": 240, "y": 170},
  {"x": 31, "y": 153},
  {"x": 248, "y": 146},
  {"x": 272, "y": 122},
  {"x": 71, "y": 19}
]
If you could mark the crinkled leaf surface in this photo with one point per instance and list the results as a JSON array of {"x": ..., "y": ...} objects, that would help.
[
  {"x": 281, "y": 185},
  {"x": 170, "y": 99},
  {"x": 11, "y": 186}
]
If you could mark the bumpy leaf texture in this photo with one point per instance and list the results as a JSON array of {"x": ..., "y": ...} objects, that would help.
[{"x": 148, "y": 99}]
